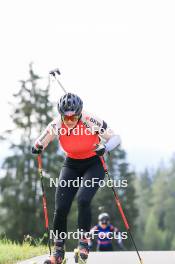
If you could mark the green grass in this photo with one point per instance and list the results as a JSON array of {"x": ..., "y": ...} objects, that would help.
[{"x": 11, "y": 252}]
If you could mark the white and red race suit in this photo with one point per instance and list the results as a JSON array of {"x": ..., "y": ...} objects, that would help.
[{"x": 79, "y": 142}]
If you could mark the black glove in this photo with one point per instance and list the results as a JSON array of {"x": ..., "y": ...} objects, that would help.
[
  {"x": 100, "y": 149},
  {"x": 37, "y": 149}
]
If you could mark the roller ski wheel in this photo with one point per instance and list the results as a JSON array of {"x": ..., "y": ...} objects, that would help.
[
  {"x": 77, "y": 257},
  {"x": 58, "y": 256},
  {"x": 53, "y": 260}
]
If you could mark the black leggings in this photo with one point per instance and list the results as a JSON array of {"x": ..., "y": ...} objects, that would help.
[{"x": 75, "y": 169}]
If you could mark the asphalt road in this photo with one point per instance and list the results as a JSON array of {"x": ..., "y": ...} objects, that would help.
[{"x": 148, "y": 257}]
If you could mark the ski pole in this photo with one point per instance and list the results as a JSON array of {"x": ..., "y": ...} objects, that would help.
[
  {"x": 118, "y": 203},
  {"x": 54, "y": 73},
  {"x": 44, "y": 201}
]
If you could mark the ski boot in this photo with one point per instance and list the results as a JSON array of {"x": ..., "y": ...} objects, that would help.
[
  {"x": 81, "y": 253},
  {"x": 58, "y": 256}
]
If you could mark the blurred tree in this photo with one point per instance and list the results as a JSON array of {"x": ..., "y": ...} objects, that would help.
[
  {"x": 154, "y": 237},
  {"x": 21, "y": 203},
  {"x": 143, "y": 186},
  {"x": 157, "y": 208}
]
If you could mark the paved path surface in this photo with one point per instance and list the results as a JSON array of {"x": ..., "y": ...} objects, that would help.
[{"x": 149, "y": 257}]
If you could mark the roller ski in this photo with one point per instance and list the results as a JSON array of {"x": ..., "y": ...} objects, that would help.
[
  {"x": 81, "y": 253},
  {"x": 58, "y": 256}
]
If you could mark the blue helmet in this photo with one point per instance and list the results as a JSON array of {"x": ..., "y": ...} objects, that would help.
[{"x": 70, "y": 104}]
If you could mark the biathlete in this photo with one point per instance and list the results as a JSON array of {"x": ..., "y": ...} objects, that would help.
[
  {"x": 79, "y": 135},
  {"x": 105, "y": 232}
]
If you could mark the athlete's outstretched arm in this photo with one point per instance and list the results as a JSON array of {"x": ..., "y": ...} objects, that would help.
[
  {"x": 112, "y": 140},
  {"x": 49, "y": 134}
]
